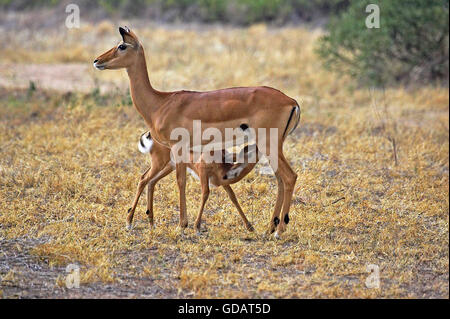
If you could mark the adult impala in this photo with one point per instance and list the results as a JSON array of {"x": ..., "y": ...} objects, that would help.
[{"x": 261, "y": 108}]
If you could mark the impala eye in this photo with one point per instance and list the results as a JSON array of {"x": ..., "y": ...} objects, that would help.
[{"x": 122, "y": 47}]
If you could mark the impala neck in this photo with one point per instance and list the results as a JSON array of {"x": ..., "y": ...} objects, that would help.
[{"x": 145, "y": 98}]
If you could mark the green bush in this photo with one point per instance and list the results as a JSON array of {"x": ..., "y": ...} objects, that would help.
[{"x": 411, "y": 45}]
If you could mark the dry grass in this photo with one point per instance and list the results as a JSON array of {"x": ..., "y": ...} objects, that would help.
[{"x": 69, "y": 168}]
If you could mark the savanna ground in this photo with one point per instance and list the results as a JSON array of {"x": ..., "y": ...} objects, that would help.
[{"x": 69, "y": 167}]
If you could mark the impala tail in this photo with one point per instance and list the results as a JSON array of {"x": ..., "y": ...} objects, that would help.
[
  {"x": 145, "y": 143},
  {"x": 294, "y": 119}
]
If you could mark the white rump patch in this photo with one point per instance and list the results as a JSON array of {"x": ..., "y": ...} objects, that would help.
[{"x": 145, "y": 144}]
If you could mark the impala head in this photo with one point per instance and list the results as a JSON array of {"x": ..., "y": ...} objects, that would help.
[{"x": 122, "y": 55}]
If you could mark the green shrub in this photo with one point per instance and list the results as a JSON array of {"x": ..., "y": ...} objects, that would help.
[{"x": 411, "y": 45}]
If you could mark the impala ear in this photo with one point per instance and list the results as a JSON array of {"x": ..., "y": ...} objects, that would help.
[{"x": 128, "y": 36}]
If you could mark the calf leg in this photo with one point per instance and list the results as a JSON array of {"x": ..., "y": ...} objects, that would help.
[
  {"x": 233, "y": 198},
  {"x": 205, "y": 194},
  {"x": 181, "y": 180},
  {"x": 149, "y": 175}
]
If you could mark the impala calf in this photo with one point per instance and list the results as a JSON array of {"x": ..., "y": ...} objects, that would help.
[{"x": 209, "y": 174}]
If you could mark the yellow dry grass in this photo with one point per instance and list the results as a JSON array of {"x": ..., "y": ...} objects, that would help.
[{"x": 69, "y": 168}]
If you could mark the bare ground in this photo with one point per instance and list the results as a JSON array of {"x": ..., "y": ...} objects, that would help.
[
  {"x": 32, "y": 277},
  {"x": 67, "y": 77}
]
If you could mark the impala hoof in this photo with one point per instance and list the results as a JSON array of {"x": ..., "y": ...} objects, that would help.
[
  {"x": 129, "y": 227},
  {"x": 276, "y": 221},
  {"x": 270, "y": 229},
  {"x": 183, "y": 224},
  {"x": 276, "y": 235}
]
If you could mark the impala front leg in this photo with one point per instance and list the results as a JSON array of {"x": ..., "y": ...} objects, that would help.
[
  {"x": 181, "y": 180},
  {"x": 205, "y": 194}
]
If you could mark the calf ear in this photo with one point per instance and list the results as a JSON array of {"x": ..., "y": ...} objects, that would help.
[{"x": 128, "y": 36}]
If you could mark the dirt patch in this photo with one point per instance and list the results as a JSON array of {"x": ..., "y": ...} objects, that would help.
[
  {"x": 26, "y": 276},
  {"x": 65, "y": 77}
]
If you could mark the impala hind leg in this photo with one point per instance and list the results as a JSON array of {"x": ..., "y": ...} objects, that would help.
[
  {"x": 275, "y": 219},
  {"x": 205, "y": 194},
  {"x": 289, "y": 177},
  {"x": 233, "y": 198},
  {"x": 151, "y": 189},
  {"x": 181, "y": 181}
]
